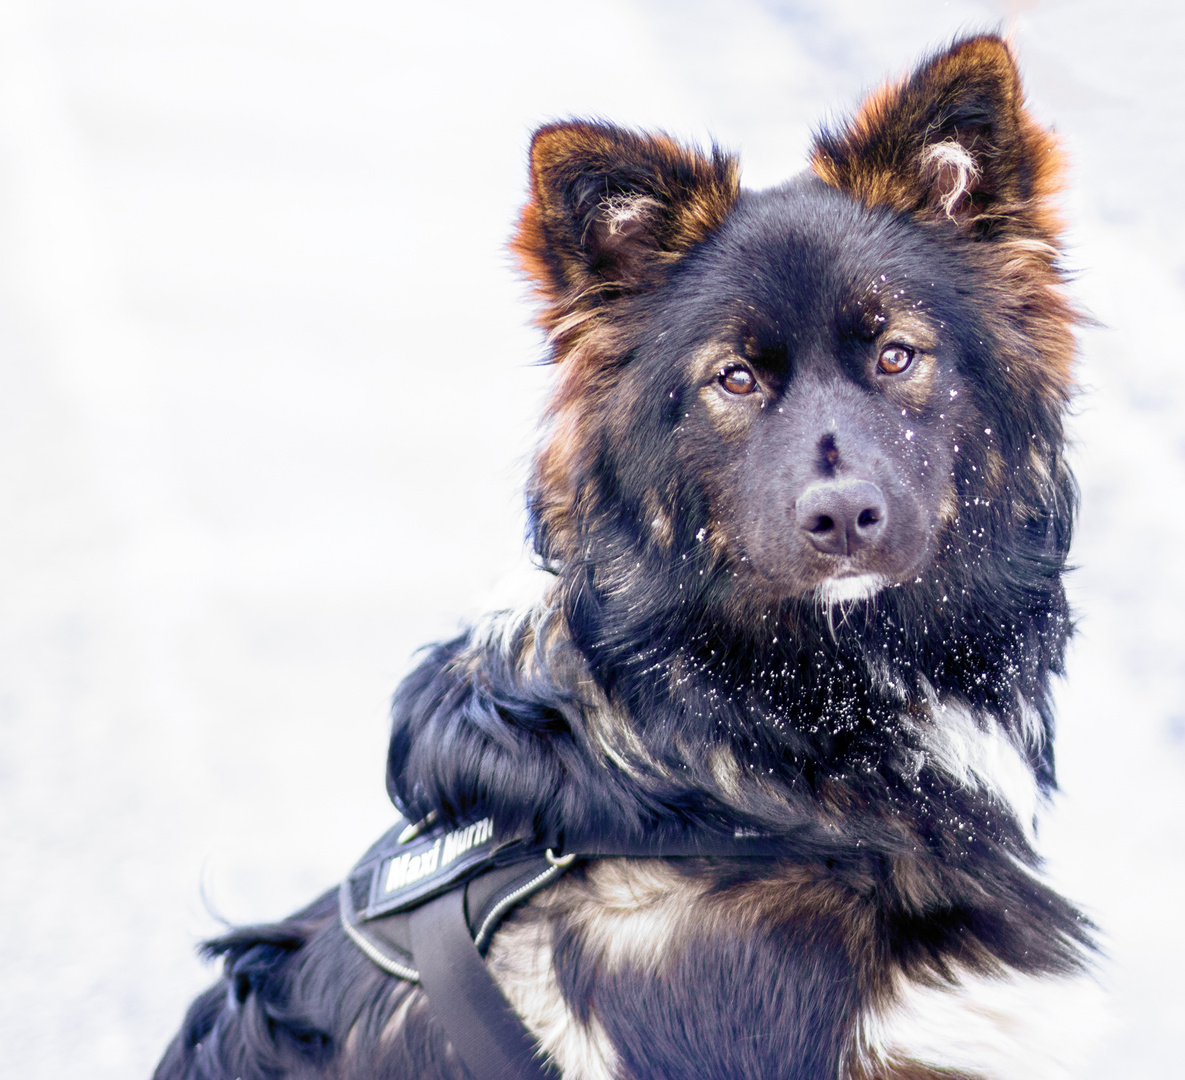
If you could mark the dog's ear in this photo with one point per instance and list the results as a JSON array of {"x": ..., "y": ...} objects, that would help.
[
  {"x": 953, "y": 141},
  {"x": 611, "y": 210}
]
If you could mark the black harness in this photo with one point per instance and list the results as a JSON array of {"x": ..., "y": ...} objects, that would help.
[{"x": 424, "y": 902}]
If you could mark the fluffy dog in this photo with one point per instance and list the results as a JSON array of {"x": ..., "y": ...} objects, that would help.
[{"x": 803, "y": 503}]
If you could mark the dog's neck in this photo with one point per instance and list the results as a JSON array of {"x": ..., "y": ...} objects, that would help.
[{"x": 550, "y": 719}]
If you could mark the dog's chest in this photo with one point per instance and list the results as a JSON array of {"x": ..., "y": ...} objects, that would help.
[{"x": 637, "y": 970}]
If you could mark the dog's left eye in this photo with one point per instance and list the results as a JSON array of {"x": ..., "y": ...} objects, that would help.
[
  {"x": 738, "y": 379},
  {"x": 894, "y": 359}
]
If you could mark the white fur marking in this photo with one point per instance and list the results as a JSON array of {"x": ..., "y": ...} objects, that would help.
[
  {"x": 1013, "y": 1027},
  {"x": 521, "y": 597},
  {"x": 886, "y": 679},
  {"x": 726, "y": 771},
  {"x": 846, "y": 590},
  {"x": 399, "y": 1017},
  {"x": 618, "y": 740},
  {"x": 953, "y": 165},
  {"x": 977, "y": 752},
  {"x": 1032, "y": 727},
  {"x": 623, "y": 209}
]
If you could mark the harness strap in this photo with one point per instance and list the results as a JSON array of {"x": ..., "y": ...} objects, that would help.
[
  {"x": 424, "y": 902},
  {"x": 465, "y": 1000}
]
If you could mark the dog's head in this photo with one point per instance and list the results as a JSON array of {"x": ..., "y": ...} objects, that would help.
[{"x": 851, "y": 382}]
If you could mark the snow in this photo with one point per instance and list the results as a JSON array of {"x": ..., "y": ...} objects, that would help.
[{"x": 269, "y": 387}]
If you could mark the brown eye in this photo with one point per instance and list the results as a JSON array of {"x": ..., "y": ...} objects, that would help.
[
  {"x": 894, "y": 359},
  {"x": 738, "y": 379}
]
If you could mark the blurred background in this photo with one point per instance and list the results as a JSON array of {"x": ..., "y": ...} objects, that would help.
[{"x": 267, "y": 392}]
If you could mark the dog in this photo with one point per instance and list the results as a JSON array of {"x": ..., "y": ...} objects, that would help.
[{"x": 803, "y": 511}]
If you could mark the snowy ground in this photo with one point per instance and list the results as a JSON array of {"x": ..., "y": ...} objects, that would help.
[{"x": 267, "y": 395}]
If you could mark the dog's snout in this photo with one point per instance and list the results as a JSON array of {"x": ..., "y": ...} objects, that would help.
[{"x": 840, "y": 517}]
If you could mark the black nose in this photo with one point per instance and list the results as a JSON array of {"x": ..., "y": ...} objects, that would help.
[{"x": 840, "y": 517}]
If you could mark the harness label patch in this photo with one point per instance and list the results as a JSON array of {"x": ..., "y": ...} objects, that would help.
[
  {"x": 429, "y": 865},
  {"x": 408, "y": 869}
]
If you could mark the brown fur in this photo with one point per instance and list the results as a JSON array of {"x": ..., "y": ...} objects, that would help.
[
  {"x": 881, "y": 157},
  {"x": 677, "y": 197}
]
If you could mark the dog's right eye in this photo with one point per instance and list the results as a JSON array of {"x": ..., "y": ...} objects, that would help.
[
  {"x": 894, "y": 359},
  {"x": 738, "y": 379}
]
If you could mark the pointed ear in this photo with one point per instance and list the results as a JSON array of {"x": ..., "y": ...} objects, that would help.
[
  {"x": 951, "y": 141},
  {"x": 610, "y": 211}
]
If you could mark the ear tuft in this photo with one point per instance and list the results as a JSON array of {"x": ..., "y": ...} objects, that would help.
[
  {"x": 953, "y": 141},
  {"x": 952, "y": 173},
  {"x": 611, "y": 211}
]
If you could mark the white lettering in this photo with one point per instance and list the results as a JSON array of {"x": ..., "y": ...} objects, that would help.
[
  {"x": 397, "y": 874},
  {"x": 430, "y": 860},
  {"x": 463, "y": 840},
  {"x": 407, "y": 869}
]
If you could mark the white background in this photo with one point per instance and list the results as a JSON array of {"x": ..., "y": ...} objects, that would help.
[{"x": 267, "y": 390}]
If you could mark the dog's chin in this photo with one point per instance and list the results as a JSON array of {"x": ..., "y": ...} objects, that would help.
[{"x": 849, "y": 590}]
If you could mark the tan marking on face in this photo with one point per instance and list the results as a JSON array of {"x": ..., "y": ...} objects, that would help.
[
  {"x": 731, "y": 415},
  {"x": 948, "y": 505},
  {"x": 1036, "y": 317},
  {"x": 913, "y": 387},
  {"x": 575, "y": 425}
]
